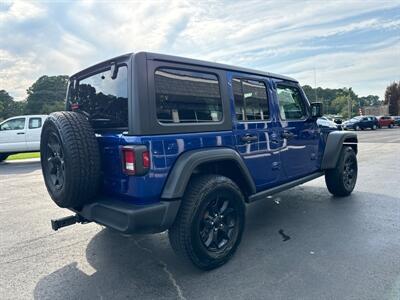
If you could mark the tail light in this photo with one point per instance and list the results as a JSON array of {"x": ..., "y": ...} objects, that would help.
[
  {"x": 135, "y": 160},
  {"x": 146, "y": 159}
]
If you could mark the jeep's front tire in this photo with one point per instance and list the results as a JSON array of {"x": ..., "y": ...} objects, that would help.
[
  {"x": 3, "y": 156},
  {"x": 70, "y": 159},
  {"x": 210, "y": 222},
  {"x": 341, "y": 180}
]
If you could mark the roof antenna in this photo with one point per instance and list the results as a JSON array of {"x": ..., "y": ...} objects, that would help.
[{"x": 315, "y": 84}]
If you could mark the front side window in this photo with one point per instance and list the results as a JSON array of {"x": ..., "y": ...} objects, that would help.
[
  {"x": 104, "y": 99},
  {"x": 35, "y": 123},
  {"x": 291, "y": 104},
  {"x": 251, "y": 102},
  {"x": 14, "y": 124},
  {"x": 187, "y": 96}
]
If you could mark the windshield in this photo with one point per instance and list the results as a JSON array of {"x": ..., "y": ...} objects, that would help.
[{"x": 103, "y": 99}]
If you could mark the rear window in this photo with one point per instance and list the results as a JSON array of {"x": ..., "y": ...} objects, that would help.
[
  {"x": 103, "y": 99},
  {"x": 187, "y": 96}
]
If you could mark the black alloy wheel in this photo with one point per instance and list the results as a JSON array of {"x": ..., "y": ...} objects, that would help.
[
  {"x": 55, "y": 161},
  {"x": 218, "y": 226},
  {"x": 350, "y": 172}
]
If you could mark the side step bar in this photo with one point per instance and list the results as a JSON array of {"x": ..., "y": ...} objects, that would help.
[
  {"x": 67, "y": 221},
  {"x": 283, "y": 187}
]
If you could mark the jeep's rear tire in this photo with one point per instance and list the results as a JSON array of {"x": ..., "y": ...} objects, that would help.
[
  {"x": 210, "y": 222},
  {"x": 3, "y": 156},
  {"x": 70, "y": 159},
  {"x": 342, "y": 179}
]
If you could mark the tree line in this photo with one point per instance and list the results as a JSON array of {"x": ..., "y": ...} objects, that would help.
[{"x": 47, "y": 95}]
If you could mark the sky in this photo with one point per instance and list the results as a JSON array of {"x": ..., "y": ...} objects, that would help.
[{"x": 331, "y": 43}]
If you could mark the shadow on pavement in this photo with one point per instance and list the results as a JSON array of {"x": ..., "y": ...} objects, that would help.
[
  {"x": 19, "y": 167},
  {"x": 135, "y": 266}
]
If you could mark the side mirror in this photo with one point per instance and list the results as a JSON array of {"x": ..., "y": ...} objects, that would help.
[{"x": 316, "y": 110}]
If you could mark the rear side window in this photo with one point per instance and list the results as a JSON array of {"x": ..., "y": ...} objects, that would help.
[
  {"x": 291, "y": 104},
  {"x": 251, "y": 102},
  {"x": 35, "y": 123},
  {"x": 187, "y": 96}
]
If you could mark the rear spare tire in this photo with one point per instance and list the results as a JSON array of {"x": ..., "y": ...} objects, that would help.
[{"x": 70, "y": 158}]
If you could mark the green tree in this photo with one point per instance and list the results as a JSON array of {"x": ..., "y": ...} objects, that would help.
[
  {"x": 47, "y": 94},
  {"x": 370, "y": 100},
  {"x": 392, "y": 98},
  {"x": 9, "y": 107}
]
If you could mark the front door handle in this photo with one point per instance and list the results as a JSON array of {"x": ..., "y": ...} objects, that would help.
[
  {"x": 287, "y": 134},
  {"x": 20, "y": 132},
  {"x": 248, "y": 138}
]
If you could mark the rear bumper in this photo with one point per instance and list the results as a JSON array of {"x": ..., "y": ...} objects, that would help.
[{"x": 130, "y": 218}]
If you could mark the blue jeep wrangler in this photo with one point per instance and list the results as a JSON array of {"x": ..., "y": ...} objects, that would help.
[{"x": 152, "y": 142}]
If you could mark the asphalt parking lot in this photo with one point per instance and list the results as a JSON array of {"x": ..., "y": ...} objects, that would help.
[{"x": 338, "y": 248}]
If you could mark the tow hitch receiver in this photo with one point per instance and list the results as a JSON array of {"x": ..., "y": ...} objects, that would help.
[{"x": 67, "y": 221}]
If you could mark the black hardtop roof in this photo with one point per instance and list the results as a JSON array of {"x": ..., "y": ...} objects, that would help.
[{"x": 188, "y": 61}]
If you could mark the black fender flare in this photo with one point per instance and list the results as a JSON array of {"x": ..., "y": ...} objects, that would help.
[
  {"x": 186, "y": 163},
  {"x": 334, "y": 143}
]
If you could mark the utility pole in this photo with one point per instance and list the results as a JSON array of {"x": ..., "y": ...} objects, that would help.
[{"x": 349, "y": 105}]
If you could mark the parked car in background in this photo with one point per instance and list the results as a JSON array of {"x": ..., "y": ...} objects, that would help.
[
  {"x": 20, "y": 134},
  {"x": 396, "y": 120},
  {"x": 385, "y": 121},
  {"x": 325, "y": 122},
  {"x": 361, "y": 123}
]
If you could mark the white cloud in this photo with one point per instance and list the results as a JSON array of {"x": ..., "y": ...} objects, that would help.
[
  {"x": 364, "y": 71},
  {"x": 22, "y": 10},
  {"x": 290, "y": 37}
]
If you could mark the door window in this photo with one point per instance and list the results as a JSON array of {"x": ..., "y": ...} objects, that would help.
[
  {"x": 251, "y": 102},
  {"x": 35, "y": 123},
  {"x": 291, "y": 104},
  {"x": 14, "y": 124}
]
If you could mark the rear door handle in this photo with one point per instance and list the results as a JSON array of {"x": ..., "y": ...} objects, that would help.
[
  {"x": 248, "y": 138},
  {"x": 287, "y": 134},
  {"x": 20, "y": 132}
]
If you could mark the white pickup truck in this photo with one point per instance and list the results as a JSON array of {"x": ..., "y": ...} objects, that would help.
[{"x": 20, "y": 134}]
